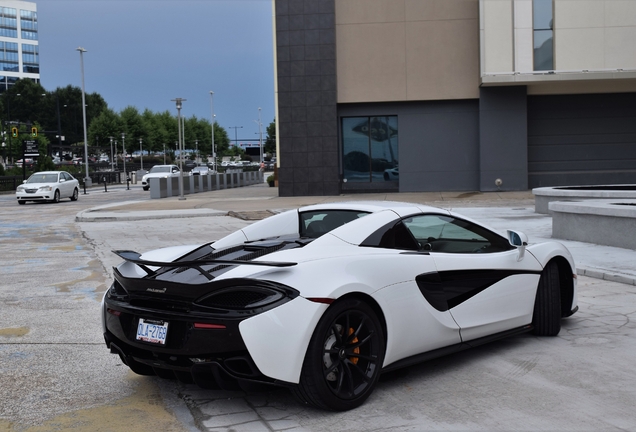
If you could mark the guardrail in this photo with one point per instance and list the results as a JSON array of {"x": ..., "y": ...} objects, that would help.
[{"x": 167, "y": 187}]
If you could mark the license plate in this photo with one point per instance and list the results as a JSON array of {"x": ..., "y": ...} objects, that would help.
[{"x": 152, "y": 331}]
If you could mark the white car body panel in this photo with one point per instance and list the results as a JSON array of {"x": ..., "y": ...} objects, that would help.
[
  {"x": 503, "y": 306},
  {"x": 288, "y": 328},
  {"x": 415, "y": 327}
]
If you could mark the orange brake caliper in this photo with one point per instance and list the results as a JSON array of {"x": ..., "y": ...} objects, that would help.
[{"x": 354, "y": 360}]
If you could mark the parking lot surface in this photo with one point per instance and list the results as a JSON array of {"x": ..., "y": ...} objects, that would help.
[{"x": 56, "y": 373}]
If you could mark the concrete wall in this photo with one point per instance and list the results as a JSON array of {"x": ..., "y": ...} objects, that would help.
[
  {"x": 398, "y": 50},
  {"x": 593, "y": 40}
]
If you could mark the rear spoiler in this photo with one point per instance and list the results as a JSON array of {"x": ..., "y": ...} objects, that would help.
[{"x": 134, "y": 257}]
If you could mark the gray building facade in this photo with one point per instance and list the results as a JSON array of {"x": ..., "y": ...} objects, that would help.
[{"x": 413, "y": 95}]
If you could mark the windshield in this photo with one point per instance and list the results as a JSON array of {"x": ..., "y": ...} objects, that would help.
[
  {"x": 43, "y": 178},
  {"x": 159, "y": 169},
  {"x": 316, "y": 223}
]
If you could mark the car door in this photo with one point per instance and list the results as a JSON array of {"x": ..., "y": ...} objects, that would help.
[
  {"x": 480, "y": 277},
  {"x": 66, "y": 186}
]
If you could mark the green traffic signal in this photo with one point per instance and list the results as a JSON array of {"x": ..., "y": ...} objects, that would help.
[
  {"x": 14, "y": 132},
  {"x": 34, "y": 132}
]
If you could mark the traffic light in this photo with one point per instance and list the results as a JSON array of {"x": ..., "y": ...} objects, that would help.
[
  {"x": 14, "y": 132},
  {"x": 34, "y": 132}
]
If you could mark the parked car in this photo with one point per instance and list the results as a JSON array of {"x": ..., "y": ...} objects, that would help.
[
  {"x": 200, "y": 170},
  {"x": 325, "y": 298},
  {"x": 48, "y": 186},
  {"x": 29, "y": 162},
  {"x": 159, "y": 171}
]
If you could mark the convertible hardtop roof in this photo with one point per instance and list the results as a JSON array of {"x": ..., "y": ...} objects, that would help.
[{"x": 401, "y": 208}]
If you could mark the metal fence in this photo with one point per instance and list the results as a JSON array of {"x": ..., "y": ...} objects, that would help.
[{"x": 9, "y": 183}]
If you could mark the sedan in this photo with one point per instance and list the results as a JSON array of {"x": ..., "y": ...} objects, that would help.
[
  {"x": 325, "y": 298},
  {"x": 48, "y": 186}
]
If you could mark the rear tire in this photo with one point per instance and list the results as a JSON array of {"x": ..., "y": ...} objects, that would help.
[
  {"x": 344, "y": 358},
  {"x": 546, "y": 318}
]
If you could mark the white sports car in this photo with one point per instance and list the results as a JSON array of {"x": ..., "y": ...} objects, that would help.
[
  {"x": 325, "y": 298},
  {"x": 48, "y": 186}
]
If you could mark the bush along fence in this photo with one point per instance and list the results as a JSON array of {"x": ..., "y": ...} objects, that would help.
[{"x": 167, "y": 187}]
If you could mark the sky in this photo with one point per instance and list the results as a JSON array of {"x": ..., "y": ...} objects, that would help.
[{"x": 145, "y": 53}]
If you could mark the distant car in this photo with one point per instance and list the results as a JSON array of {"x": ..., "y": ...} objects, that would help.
[
  {"x": 325, "y": 298},
  {"x": 200, "y": 170},
  {"x": 48, "y": 186},
  {"x": 29, "y": 162},
  {"x": 159, "y": 171},
  {"x": 189, "y": 165}
]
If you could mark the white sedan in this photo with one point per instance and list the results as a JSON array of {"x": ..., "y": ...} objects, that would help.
[
  {"x": 325, "y": 298},
  {"x": 48, "y": 186}
]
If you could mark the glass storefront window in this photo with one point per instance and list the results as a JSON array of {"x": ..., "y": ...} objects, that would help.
[{"x": 370, "y": 149}]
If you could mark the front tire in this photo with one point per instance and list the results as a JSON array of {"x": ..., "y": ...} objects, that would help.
[
  {"x": 546, "y": 318},
  {"x": 146, "y": 188},
  {"x": 56, "y": 196},
  {"x": 344, "y": 358},
  {"x": 75, "y": 195},
  {"x": 22, "y": 202}
]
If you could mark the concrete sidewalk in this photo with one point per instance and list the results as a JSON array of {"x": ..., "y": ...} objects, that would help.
[{"x": 499, "y": 210}]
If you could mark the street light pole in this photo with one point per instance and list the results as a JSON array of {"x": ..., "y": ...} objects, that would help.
[
  {"x": 123, "y": 147},
  {"x": 141, "y": 154},
  {"x": 178, "y": 102},
  {"x": 112, "y": 163},
  {"x": 260, "y": 133},
  {"x": 87, "y": 179},
  {"x": 164, "y": 153},
  {"x": 212, "y": 118}
]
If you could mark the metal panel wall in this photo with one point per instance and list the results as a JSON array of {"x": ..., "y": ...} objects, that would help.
[
  {"x": 438, "y": 143},
  {"x": 581, "y": 139}
]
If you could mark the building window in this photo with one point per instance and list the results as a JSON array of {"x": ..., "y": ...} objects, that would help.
[
  {"x": 30, "y": 58},
  {"x": 8, "y": 22},
  {"x": 9, "y": 57},
  {"x": 543, "y": 33},
  {"x": 370, "y": 149}
]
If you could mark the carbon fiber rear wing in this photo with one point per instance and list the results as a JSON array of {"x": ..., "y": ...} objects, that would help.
[{"x": 134, "y": 257}]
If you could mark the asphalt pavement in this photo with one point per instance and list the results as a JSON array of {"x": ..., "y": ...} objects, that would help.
[{"x": 499, "y": 210}]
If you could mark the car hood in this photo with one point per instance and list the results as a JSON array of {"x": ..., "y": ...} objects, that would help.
[{"x": 37, "y": 185}]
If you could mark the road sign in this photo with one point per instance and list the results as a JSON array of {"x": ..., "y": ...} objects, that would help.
[{"x": 30, "y": 148}]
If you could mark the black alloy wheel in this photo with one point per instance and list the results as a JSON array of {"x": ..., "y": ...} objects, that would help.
[{"x": 344, "y": 357}]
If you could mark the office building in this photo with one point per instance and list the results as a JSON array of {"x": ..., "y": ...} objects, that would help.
[
  {"x": 454, "y": 95},
  {"x": 19, "y": 46}
]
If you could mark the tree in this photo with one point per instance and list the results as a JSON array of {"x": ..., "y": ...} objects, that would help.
[
  {"x": 270, "y": 141},
  {"x": 133, "y": 127}
]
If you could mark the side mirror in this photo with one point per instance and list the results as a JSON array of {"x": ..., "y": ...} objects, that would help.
[
  {"x": 24, "y": 181},
  {"x": 518, "y": 240}
]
